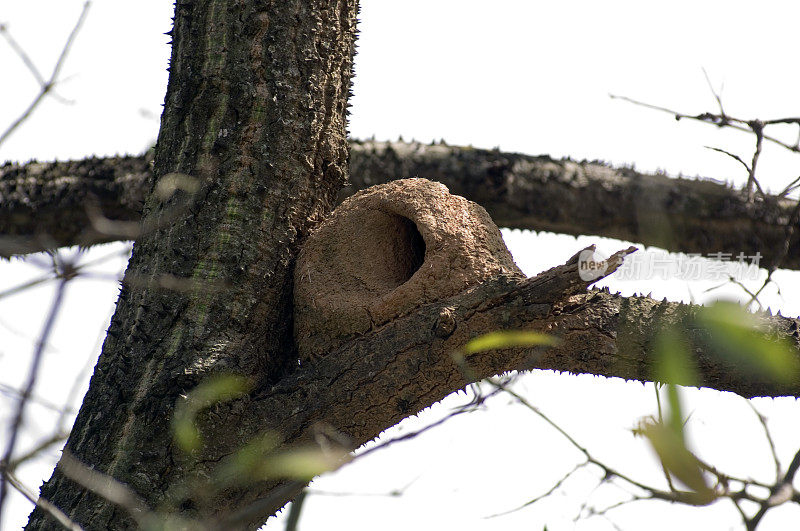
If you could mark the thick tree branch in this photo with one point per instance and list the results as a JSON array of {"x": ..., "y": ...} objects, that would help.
[
  {"x": 48, "y": 204},
  {"x": 400, "y": 368}
]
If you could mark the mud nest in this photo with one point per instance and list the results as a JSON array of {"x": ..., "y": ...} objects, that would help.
[{"x": 384, "y": 252}]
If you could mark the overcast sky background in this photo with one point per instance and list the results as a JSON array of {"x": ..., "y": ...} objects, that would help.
[{"x": 525, "y": 76}]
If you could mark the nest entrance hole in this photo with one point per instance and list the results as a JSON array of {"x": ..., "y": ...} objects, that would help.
[{"x": 392, "y": 250}]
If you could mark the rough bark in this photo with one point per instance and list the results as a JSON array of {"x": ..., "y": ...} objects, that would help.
[
  {"x": 44, "y": 204},
  {"x": 253, "y": 134}
]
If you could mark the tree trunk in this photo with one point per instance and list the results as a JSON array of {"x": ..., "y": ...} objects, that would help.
[{"x": 255, "y": 116}]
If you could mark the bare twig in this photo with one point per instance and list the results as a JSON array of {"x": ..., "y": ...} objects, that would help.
[
  {"x": 757, "y": 126},
  {"x": 719, "y": 121},
  {"x": 549, "y": 492},
  {"x": 47, "y": 86},
  {"x": 390, "y": 494},
  {"x": 51, "y": 509},
  {"x": 294, "y": 512},
  {"x": 466, "y": 408},
  {"x": 717, "y": 95},
  {"x": 22, "y": 55},
  {"x": 735, "y": 157},
  {"x": 104, "y": 486},
  {"x": 791, "y": 187},
  {"x": 763, "y": 421},
  {"x": 33, "y": 374},
  {"x": 62, "y": 271},
  {"x": 781, "y": 492},
  {"x": 14, "y": 392},
  {"x": 57, "y": 437}
]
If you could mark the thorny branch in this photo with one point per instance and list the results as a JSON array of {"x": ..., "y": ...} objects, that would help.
[{"x": 756, "y": 127}]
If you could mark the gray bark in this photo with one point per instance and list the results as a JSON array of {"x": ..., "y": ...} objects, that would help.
[{"x": 44, "y": 205}]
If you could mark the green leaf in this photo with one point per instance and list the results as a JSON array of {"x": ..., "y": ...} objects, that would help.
[
  {"x": 672, "y": 361},
  {"x": 243, "y": 467},
  {"x": 674, "y": 366},
  {"x": 667, "y": 436},
  {"x": 508, "y": 339},
  {"x": 743, "y": 340},
  {"x": 303, "y": 463},
  {"x": 214, "y": 390},
  {"x": 259, "y": 461},
  {"x": 677, "y": 459}
]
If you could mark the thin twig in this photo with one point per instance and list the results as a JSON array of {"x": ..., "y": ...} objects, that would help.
[
  {"x": 784, "y": 484},
  {"x": 295, "y": 510},
  {"x": 33, "y": 374},
  {"x": 56, "y": 438},
  {"x": 42, "y": 503},
  {"x": 791, "y": 187},
  {"x": 731, "y": 155},
  {"x": 466, "y": 408},
  {"x": 719, "y": 121},
  {"x": 48, "y": 85},
  {"x": 22, "y": 55},
  {"x": 12, "y": 391},
  {"x": 763, "y": 420},
  {"x": 757, "y": 126},
  {"x": 62, "y": 271},
  {"x": 104, "y": 486},
  {"x": 544, "y": 495},
  {"x": 717, "y": 95}
]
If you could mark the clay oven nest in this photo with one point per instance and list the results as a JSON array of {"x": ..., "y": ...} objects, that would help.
[{"x": 384, "y": 252}]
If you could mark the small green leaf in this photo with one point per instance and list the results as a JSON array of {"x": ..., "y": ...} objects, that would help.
[
  {"x": 243, "y": 467},
  {"x": 303, "y": 463},
  {"x": 508, "y": 339},
  {"x": 672, "y": 361},
  {"x": 677, "y": 459},
  {"x": 186, "y": 434},
  {"x": 218, "y": 389},
  {"x": 743, "y": 340},
  {"x": 259, "y": 460}
]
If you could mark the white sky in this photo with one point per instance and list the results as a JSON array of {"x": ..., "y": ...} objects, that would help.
[{"x": 525, "y": 76}]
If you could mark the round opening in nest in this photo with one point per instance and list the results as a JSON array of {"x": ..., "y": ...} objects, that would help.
[{"x": 390, "y": 249}]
